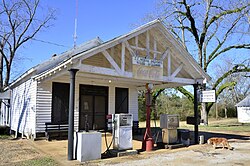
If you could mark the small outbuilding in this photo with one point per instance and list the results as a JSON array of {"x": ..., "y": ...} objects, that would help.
[
  {"x": 107, "y": 82},
  {"x": 243, "y": 110}
]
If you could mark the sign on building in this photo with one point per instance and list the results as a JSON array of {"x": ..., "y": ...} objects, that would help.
[
  {"x": 207, "y": 96},
  {"x": 148, "y": 69}
]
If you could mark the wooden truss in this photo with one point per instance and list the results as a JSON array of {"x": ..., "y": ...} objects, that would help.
[{"x": 114, "y": 58}]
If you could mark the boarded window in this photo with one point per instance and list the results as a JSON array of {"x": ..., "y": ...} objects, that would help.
[
  {"x": 60, "y": 102},
  {"x": 121, "y": 100}
]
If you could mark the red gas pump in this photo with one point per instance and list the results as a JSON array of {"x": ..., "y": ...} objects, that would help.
[{"x": 148, "y": 142}]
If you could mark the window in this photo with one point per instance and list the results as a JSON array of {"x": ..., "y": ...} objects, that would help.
[{"x": 60, "y": 102}]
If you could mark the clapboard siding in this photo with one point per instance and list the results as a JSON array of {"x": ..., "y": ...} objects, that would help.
[
  {"x": 23, "y": 108},
  {"x": 133, "y": 103},
  {"x": 44, "y": 103},
  {"x": 44, "y": 98}
]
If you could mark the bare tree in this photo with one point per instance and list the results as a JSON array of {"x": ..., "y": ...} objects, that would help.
[
  {"x": 20, "y": 21},
  {"x": 209, "y": 30},
  {"x": 232, "y": 95}
]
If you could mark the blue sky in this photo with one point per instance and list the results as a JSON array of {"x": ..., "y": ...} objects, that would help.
[{"x": 106, "y": 19}]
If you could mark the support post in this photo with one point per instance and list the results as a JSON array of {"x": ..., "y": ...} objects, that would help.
[
  {"x": 71, "y": 114},
  {"x": 196, "y": 130}
]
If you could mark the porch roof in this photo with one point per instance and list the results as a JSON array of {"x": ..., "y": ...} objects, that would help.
[
  {"x": 244, "y": 103},
  {"x": 152, "y": 41}
]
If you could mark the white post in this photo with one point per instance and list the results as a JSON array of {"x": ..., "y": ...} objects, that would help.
[
  {"x": 155, "y": 49},
  {"x": 169, "y": 64},
  {"x": 148, "y": 45},
  {"x": 123, "y": 58}
]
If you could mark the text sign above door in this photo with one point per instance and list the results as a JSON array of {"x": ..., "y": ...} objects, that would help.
[{"x": 147, "y": 69}]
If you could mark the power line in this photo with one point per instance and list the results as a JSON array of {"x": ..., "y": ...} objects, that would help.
[{"x": 47, "y": 42}]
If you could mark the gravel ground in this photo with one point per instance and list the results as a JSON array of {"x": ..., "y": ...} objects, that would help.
[
  {"x": 14, "y": 152},
  {"x": 196, "y": 155}
]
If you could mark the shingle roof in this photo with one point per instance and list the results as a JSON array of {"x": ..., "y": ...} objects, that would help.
[{"x": 244, "y": 103}]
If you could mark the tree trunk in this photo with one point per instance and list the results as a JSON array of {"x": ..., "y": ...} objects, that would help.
[
  {"x": 204, "y": 115},
  {"x": 225, "y": 112},
  {"x": 216, "y": 110},
  {"x": 1, "y": 72},
  {"x": 7, "y": 77}
]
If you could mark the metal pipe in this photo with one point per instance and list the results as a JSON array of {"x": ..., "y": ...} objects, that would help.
[
  {"x": 71, "y": 114},
  {"x": 196, "y": 129}
]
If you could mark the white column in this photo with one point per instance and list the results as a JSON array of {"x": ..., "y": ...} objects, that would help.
[{"x": 111, "y": 104}]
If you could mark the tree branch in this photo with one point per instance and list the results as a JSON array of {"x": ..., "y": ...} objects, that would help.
[
  {"x": 241, "y": 46},
  {"x": 236, "y": 69},
  {"x": 205, "y": 46},
  {"x": 191, "y": 20},
  {"x": 31, "y": 17},
  {"x": 205, "y": 28},
  {"x": 189, "y": 95},
  {"x": 210, "y": 57},
  {"x": 220, "y": 90},
  {"x": 157, "y": 93},
  {"x": 227, "y": 12}
]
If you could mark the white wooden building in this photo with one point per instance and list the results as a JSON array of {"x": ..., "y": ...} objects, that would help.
[
  {"x": 110, "y": 74},
  {"x": 243, "y": 110}
]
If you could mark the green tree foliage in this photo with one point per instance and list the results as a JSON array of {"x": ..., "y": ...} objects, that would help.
[
  {"x": 168, "y": 102},
  {"x": 231, "y": 111}
]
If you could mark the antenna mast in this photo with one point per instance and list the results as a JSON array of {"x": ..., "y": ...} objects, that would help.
[{"x": 75, "y": 36}]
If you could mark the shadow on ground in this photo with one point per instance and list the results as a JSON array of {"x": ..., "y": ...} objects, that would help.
[{"x": 156, "y": 134}]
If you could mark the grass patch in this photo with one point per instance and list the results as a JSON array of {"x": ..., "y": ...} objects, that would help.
[
  {"x": 40, "y": 162},
  {"x": 220, "y": 125},
  {"x": 5, "y": 136},
  {"x": 229, "y": 124}
]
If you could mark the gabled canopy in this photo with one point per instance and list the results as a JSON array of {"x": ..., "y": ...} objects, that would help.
[
  {"x": 244, "y": 103},
  {"x": 148, "y": 54}
]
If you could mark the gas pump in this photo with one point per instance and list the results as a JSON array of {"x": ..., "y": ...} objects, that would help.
[
  {"x": 109, "y": 122},
  {"x": 122, "y": 131}
]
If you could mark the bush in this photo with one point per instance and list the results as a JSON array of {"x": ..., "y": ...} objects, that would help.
[{"x": 4, "y": 130}]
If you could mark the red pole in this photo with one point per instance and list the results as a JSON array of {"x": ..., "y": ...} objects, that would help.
[{"x": 148, "y": 142}]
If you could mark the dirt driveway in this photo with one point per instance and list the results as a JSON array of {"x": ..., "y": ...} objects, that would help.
[
  {"x": 13, "y": 152},
  {"x": 194, "y": 155}
]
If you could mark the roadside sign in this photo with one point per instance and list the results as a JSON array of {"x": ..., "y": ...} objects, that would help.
[{"x": 207, "y": 96}]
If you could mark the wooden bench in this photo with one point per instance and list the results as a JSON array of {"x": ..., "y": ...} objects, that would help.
[{"x": 56, "y": 131}]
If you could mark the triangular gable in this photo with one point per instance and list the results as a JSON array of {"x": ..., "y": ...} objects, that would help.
[{"x": 152, "y": 42}]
